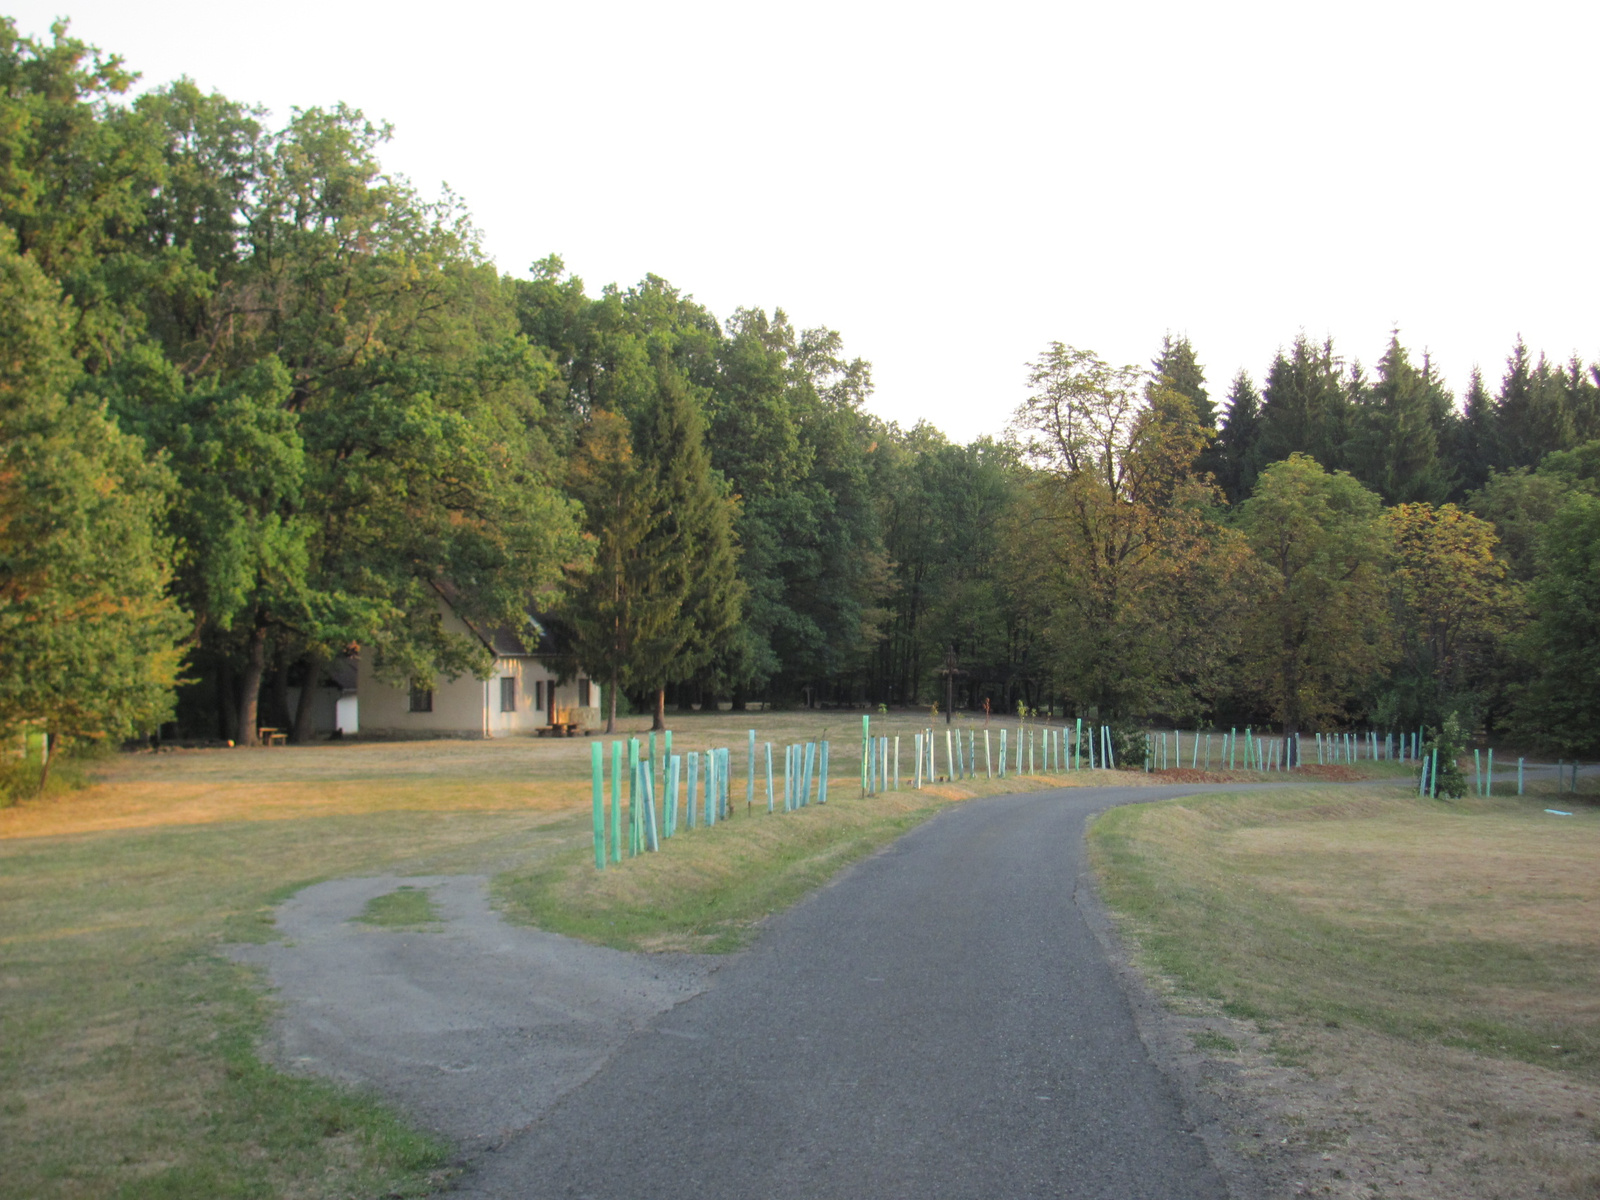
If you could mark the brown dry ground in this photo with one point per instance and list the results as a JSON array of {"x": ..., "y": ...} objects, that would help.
[{"x": 1380, "y": 995}]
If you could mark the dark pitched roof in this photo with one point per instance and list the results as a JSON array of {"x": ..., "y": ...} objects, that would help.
[{"x": 536, "y": 639}]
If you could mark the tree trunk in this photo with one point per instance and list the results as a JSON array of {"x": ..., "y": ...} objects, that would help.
[
  {"x": 611, "y": 705},
  {"x": 250, "y": 687},
  {"x": 281, "y": 716},
  {"x": 305, "y": 710},
  {"x": 48, "y": 752},
  {"x": 227, "y": 701},
  {"x": 658, "y": 719}
]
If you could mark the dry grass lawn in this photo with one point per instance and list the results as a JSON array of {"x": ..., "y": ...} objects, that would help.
[
  {"x": 1434, "y": 966},
  {"x": 126, "y": 1042}
]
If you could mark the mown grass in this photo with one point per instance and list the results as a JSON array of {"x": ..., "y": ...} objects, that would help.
[
  {"x": 1473, "y": 923},
  {"x": 406, "y": 907}
]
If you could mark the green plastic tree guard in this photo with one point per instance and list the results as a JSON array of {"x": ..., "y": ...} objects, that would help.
[
  {"x": 597, "y": 765},
  {"x": 769, "y": 777},
  {"x": 616, "y": 802}
]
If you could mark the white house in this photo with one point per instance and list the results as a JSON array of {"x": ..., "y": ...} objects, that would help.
[{"x": 520, "y": 696}]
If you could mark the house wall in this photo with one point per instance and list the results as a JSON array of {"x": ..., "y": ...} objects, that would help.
[
  {"x": 469, "y": 707},
  {"x": 529, "y": 674}
]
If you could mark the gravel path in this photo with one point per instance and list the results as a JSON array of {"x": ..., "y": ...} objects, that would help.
[{"x": 475, "y": 1029}]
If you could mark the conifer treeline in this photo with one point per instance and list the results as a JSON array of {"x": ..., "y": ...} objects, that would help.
[{"x": 261, "y": 403}]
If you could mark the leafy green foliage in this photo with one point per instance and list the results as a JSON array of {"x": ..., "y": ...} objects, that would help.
[
  {"x": 1559, "y": 707},
  {"x": 943, "y": 510},
  {"x": 88, "y": 634},
  {"x": 1113, "y": 552},
  {"x": 1452, "y": 608},
  {"x": 1450, "y": 742},
  {"x": 1318, "y": 624},
  {"x": 351, "y": 412}
]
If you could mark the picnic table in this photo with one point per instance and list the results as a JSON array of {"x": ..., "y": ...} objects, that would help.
[{"x": 273, "y": 737}]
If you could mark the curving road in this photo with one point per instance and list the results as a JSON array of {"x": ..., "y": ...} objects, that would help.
[{"x": 940, "y": 1021}]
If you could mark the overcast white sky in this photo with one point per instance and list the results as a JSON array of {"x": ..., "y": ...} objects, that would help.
[{"x": 952, "y": 187}]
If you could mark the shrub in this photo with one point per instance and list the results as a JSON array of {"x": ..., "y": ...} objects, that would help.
[{"x": 1451, "y": 742}]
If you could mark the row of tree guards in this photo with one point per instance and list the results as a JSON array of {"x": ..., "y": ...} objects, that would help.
[
  {"x": 1036, "y": 749},
  {"x": 693, "y": 788},
  {"x": 1165, "y": 749}
]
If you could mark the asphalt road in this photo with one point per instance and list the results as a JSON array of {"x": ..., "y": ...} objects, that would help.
[{"x": 940, "y": 1021}]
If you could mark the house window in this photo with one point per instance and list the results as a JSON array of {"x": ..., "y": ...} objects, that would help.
[
  {"x": 421, "y": 697},
  {"x": 538, "y": 695},
  {"x": 508, "y": 693},
  {"x": 583, "y": 693}
]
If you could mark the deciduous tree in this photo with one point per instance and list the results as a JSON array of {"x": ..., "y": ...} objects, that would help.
[
  {"x": 89, "y": 637},
  {"x": 1453, "y": 604},
  {"x": 1318, "y": 626},
  {"x": 1111, "y": 542}
]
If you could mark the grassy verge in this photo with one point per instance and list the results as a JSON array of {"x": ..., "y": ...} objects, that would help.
[
  {"x": 1473, "y": 924},
  {"x": 707, "y": 888}
]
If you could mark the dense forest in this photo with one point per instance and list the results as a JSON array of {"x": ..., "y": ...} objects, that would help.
[{"x": 260, "y": 401}]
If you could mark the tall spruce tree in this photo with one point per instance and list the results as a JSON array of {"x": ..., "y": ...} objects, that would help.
[
  {"x": 1238, "y": 458},
  {"x": 1475, "y": 449},
  {"x": 622, "y": 602},
  {"x": 1178, "y": 365},
  {"x": 1183, "y": 374},
  {"x": 1583, "y": 399},
  {"x": 1305, "y": 406},
  {"x": 1534, "y": 410},
  {"x": 696, "y": 518},
  {"x": 662, "y": 595},
  {"x": 1394, "y": 443}
]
